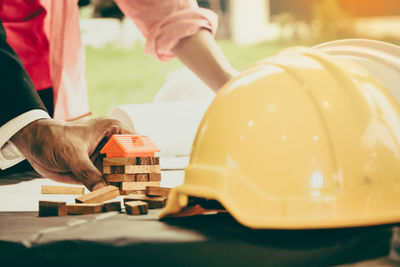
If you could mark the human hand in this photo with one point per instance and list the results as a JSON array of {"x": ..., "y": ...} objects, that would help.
[{"x": 68, "y": 151}]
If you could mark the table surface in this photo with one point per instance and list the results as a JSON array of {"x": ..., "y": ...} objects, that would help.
[{"x": 212, "y": 240}]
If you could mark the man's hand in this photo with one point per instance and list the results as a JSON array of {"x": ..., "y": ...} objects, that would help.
[{"x": 66, "y": 152}]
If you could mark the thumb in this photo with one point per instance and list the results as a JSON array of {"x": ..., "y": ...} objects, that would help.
[{"x": 85, "y": 172}]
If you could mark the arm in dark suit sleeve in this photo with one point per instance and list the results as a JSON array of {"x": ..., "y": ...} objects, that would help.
[{"x": 18, "y": 94}]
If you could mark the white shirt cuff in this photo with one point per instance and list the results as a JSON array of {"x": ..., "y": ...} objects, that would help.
[{"x": 9, "y": 153}]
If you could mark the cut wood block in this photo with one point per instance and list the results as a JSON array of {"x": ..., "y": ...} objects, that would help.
[
  {"x": 147, "y": 161},
  {"x": 142, "y": 169},
  {"x": 113, "y": 169},
  {"x": 154, "y": 177},
  {"x": 119, "y": 161},
  {"x": 100, "y": 195},
  {"x": 62, "y": 190},
  {"x": 129, "y": 192},
  {"x": 84, "y": 208},
  {"x": 142, "y": 177},
  {"x": 120, "y": 177},
  {"x": 136, "y": 207},
  {"x": 156, "y": 191},
  {"x": 111, "y": 206},
  {"x": 52, "y": 208},
  {"x": 154, "y": 202},
  {"x": 137, "y": 185},
  {"x": 154, "y": 161}
]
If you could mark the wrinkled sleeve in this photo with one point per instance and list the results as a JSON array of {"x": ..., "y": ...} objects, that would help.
[{"x": 163, "y": 23}]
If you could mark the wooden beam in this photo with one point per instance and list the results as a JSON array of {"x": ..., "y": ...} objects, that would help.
[
  {"x": 154, "y": 202},
  {"x": 119, "y": 161},
  {"x": 100, "y": 195},
  {"x": 142, "y": 177},
  {"x": 154, "y": 177},
  {"x": 52, "y": 208},
  {"x": 111, "y": 206},
  {"x": 120, "y": 177},
  {"x": 137, "y": 185},
  {"x": 128, "y": 192},
  {"x": 62, "y": 190},
  {"x": 143, "y": 169},
  {"x": 156, "y": 191},
  {"x": 84, "y": 208},
  {"x": 136, "y": 207}
]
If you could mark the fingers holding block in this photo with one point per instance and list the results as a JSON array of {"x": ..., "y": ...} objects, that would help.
[
  {"x": 136, "y": 207},
  {"x": 52, "y": 208},
  {"x": 100, "y": 195}
]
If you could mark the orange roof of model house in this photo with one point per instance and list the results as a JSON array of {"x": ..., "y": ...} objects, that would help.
[{"x": 129, "y": 145}]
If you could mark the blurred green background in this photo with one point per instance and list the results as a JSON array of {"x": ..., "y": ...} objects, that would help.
[{"x": 118, "y": 76}]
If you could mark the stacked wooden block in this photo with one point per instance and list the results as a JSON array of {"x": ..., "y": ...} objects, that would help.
[{"x": 132, "y": 174}]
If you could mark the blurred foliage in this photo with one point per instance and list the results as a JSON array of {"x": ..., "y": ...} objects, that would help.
[
  {"x": 329, "y": 21},
  {"x": 118, "y": 76}
]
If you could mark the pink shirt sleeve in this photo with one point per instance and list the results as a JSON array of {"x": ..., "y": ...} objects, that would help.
[{"x": 164, "y": 23}]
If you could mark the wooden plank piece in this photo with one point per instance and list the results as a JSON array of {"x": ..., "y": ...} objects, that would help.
[
  {"x": 142, "y": 177},
  {"x": 136, "y": 207},
  {"x": 143, "y": 169},
  {"x": 111, "y": 206},
  {"x": 120, "y": 177},
  {"x": 119, "y": 161},
  {"x": 84, "y": 208},
  {"x": 52, "y": 208},
  {"x": 62, "y": 190},
  {"x": 100, "y": 195},
  {"x": 154, "y": 177},
  {"x": 128, "y": 192},
  {"x": 154, "y": 202},
  {"x": 156, "y": 191},
  {"x": 137, "y": 185}
]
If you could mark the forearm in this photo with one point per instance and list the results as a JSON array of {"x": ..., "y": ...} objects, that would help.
[{"x": 201, "y": 54}]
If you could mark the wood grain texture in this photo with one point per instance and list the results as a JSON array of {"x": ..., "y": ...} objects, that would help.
[
  {"x": 156, "y": 191},
  {"x": 62, "y": 190},
  {"x": 100, "y": 195},
  {"x": 154, "y": 177},
  {"x": 128, "y": 192},
  {"x": 137, "y": 185},
  {"x": 136, "y": 207},
  {"x": 142, "y": 169},
  {"x": 154, "y": 202},
  {"x": 120, "y": 177},
  {"x": 142, "y": 177},
  {"x": 84, "y": 208},
  {"x": 52, "y": 208},
  {"x": 111, "y": 206},
  {"x": 119, "y": 161}
]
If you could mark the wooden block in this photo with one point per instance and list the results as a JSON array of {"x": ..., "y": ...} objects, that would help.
[
  {"x": 137, "y": 185},
  {"x": 142, "y": 177},
  {"x": 52, "y": 208},
  {"x": 111, "y": 206},
  {"x": 120, "y": 177},
  {"x": 100, "y": 195},
  {"x": 132, "y": 169},
  {"x": 154, "y": 202},
  {"x": 154, "y": 161},
  {"x": 143, "y": 161},
  {"x": 136, "y": 207},
  {"x": 156, "y": 191},
  {"x": 84, "y": 208},
  {"x": 129, "y": 192},
  {"x": 154, "y": 177},
  {"x": 119, "y": 161},
  {"x": 142, "y": 169},
  {"x": 62, "y": 190}
]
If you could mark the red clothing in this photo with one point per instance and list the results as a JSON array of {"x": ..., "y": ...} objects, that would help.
[{"x": 23, "y": 21}]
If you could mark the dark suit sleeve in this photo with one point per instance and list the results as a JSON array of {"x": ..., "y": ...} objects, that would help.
[{"x": 17, "y": 92}]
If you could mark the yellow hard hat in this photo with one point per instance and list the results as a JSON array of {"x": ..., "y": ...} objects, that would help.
[{"x": 300, "y": 140}]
